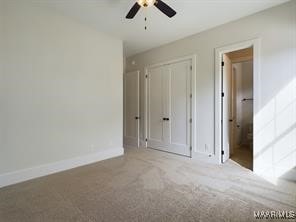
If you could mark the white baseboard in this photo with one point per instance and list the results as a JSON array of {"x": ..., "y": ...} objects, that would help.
[
  {"x": 205, "y": 157},
  {"x": 130, "y": 141},
  {"x": 128, "y": 146},
  {"x": 43, "y": 170},
  {"x": 142, "y": 143}
]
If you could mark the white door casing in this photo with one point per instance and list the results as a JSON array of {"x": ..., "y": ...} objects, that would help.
[
  {"x": 132, "y": 108},
  {"x": 256, "y": 44}
]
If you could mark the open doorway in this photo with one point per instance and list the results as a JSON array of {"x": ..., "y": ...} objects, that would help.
[
  {"x": 238, "y": 105},
  {"x": 236, "y": 99}
]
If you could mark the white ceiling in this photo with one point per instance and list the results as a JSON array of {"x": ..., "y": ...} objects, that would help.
[{"x": 193, "y": 16}]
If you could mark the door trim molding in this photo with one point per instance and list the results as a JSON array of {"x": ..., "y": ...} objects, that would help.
[
  {"x": 193, "y": 59},
  {"x": 256, "y": 44}
]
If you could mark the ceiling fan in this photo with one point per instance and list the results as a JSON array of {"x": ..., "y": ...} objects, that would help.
[{"x": 163, "y": 7}]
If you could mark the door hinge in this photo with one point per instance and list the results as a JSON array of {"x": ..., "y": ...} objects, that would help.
[
  {"x": 190, "y": 120},
  {"x": 146, "y": 76},
  {"x": 191, "y": 96},
  {"x": 222, "y": 63},
  {"x": 190, "y": 148},
  {"x": 222, "y": 152},
  {"x": 222, "y": 94},
  {"x": 191, "y": 68},
  {"x": 146, "y": 139}
]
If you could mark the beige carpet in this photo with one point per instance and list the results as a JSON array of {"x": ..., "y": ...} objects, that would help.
[{"x": 146, "y": 185}]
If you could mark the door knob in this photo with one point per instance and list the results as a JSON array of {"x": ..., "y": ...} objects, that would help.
[{"x": 137, "y": 117}]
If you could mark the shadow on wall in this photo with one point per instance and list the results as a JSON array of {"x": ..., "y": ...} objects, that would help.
[{"x": 275, "y": 132}]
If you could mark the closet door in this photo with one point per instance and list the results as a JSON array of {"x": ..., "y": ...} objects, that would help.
[
  {"x": 179, "y": 108},
  {"x": 169, "y": 108},
  {"x": 131, "y": 108},
  {"x": 156, "y": 82}
]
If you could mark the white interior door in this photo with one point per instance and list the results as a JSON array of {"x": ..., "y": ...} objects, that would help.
[
  {"x": 155, "y": 107},
  {"x": 169, "y": 108},
  {"x": 233, "y": 113},
  {"x": 131, "y": 108},
  {"x": 226, "y": 107}
]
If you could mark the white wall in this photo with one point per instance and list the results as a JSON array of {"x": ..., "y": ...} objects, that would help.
[
  {"x": 61, "y": 89},
  {"x": 276, "y": 27}
]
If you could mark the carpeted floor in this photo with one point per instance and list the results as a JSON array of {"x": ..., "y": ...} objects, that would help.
[{"x": 146, "y": 185}]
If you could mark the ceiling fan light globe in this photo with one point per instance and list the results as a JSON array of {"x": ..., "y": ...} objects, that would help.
[{"x": 146, "y": 3}]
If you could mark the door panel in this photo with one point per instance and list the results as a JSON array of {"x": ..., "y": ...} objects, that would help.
[
  {"x": 166, "y": 91},
  {"x": 180, "y": 107},
  {"x": 226, "y": 86},
  {"x": 233, "y": 112},
  {"x": 155, "y": 107},
  {"x": 169, "y": 108},
  {"x": 131, "y": 103}
]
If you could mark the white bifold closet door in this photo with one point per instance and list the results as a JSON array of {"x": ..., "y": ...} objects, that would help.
[
  {"x": 131, "y": 108},
  {"x": 169, "y": 108}
]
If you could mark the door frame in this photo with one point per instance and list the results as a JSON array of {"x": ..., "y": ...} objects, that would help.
[
  {"x": 136, "y": 72},
  {"x": 193, "y": 59},
  {"x": 256, "y": 44}
]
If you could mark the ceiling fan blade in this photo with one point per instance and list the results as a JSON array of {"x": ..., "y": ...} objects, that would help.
[
  {"x": 165, "y": 8},
  {"x": 131, "y": 14}
]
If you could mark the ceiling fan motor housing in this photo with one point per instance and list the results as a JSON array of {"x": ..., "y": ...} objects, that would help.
[
  {"x": 163, "y": 7},
  {"x": 146, "y": 3}
]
